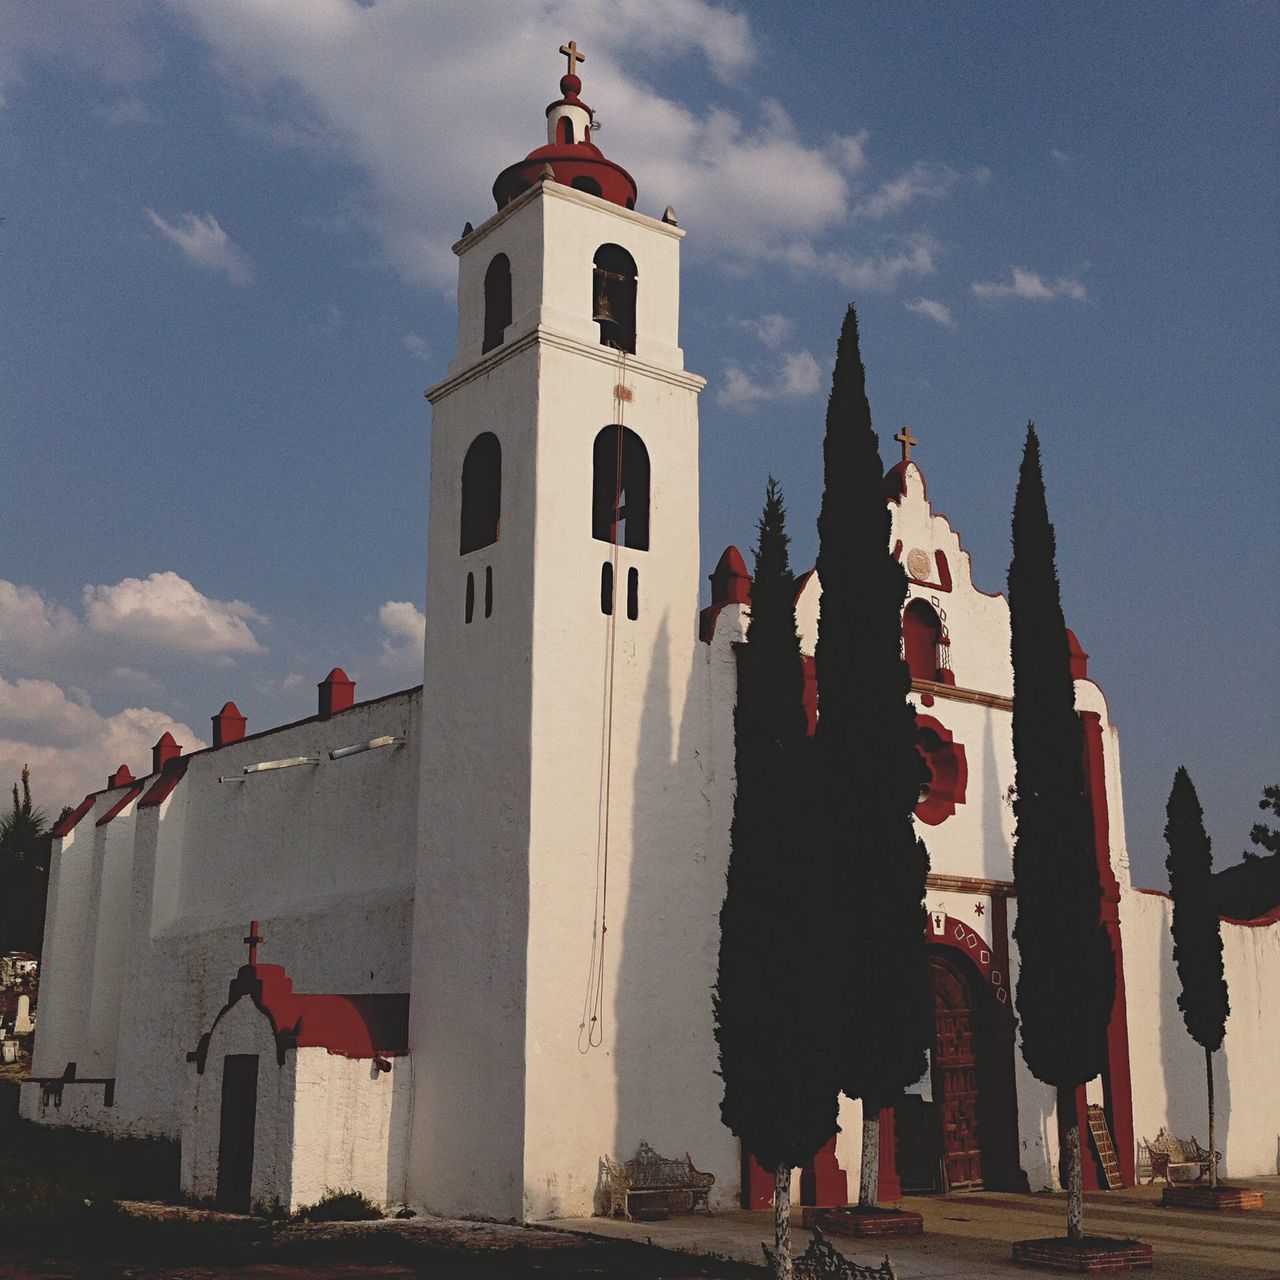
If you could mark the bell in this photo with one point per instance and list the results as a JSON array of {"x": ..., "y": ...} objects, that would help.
[{"x": 603, "y": 312}]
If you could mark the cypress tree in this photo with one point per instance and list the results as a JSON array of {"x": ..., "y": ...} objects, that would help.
[
  {"x": 869, "y": 771},
  {"x": 25, "y": 847},
  {"x": 780, "y": 1098},
  {"x": 1197, "y": 934},
  {"x": 1066, "y": 982}
]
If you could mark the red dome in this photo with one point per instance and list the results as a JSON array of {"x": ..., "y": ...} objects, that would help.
[
  {"x": 578, "y": 164},
  {"x": 575, "y": 164}
]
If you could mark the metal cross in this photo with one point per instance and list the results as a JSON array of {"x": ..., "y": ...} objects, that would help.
[
  {"x": 570, "y": 51},
  {"x": 906, "y": 440},
  {"x": 253, "y": 938}
]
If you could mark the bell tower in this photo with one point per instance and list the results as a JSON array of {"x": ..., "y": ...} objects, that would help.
[{"x": 559, "y": 881}]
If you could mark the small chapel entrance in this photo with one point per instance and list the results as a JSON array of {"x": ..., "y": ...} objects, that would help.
[
  {"x": 236, "y": 1131},
  {"x": 963, "y": 1137}
]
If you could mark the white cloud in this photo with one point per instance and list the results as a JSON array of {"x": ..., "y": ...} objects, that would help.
[
  {"x": 1061, "y": 157},
  {"x": 31, "y": 628},
  {"x": 393, "y": 87},
  {"x": 70, "y": 747},
  {"x": 771, "y": 329},
  {"x": 800, "y": 376},
  {"x": 933, "y": 309},
  {"x": 921, "y": 181},
  {"x": 416, "y": 345},
  {"x": 165, "y": 611},
  {"x": 405, "y": 626},
  {"x": 1029, "y": 284},
  {"x": 797, "y": 375},
  {"x": 877, "y": 272},
  {"x": 205, "y": 244}
]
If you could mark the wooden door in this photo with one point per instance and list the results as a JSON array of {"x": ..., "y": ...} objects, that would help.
[
  {"x": 235, "y": 1138},
  {"x": 955, "y": 1077}
]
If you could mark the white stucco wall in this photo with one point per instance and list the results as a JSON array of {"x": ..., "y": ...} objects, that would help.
[
  {"x": 1169, "y": 1085},
  {"x": 243, "y": 1030},
  {"x": 149, "y": 911},
  {"x": 351, "y": 1130}
]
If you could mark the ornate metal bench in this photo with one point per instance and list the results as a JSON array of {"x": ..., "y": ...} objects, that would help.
[
  {"x": 823, "y": 1261},
  {"x": 1165, "y": 1153},
  {"x": 671, "y": 1184}
]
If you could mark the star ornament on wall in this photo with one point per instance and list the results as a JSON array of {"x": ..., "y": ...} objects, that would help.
[{"x": 978, "y": 908}]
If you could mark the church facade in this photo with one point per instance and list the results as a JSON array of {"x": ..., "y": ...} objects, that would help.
[{"x": 482, "y": 914}]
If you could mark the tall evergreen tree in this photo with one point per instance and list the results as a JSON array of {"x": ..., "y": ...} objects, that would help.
[
  {"x": 1066, "y": 982},
  {"x": 1197, "y": 934},
  {"x": 779, "y": 1096},
  {"x": 869, "y": 770},
  {"x": 24, "y": 871}
]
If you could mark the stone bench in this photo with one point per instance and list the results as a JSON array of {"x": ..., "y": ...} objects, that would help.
[
  {"x": 1164, "y": 1153},
  {"x": 660, "y": 1183}
]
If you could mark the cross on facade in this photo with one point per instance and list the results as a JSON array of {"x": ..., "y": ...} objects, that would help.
[
  {"x": 253, "y": 938},
  {"x": 906, "y": 440},
  {"x": 570, "y": 51}
]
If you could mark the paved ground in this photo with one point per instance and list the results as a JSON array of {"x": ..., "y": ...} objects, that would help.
[{"x": 968, "y": 1236}]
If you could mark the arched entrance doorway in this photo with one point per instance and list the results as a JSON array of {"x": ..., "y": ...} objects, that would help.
[{"x": 961, "y": 1133}]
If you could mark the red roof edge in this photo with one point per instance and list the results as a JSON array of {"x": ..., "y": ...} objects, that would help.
[
  {"x": 163, "y": 787},
  {"x": 64, "y": 827},
  {"x": 132, "y": 794}
]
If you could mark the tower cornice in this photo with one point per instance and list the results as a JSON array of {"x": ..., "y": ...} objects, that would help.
[
  {"x": 563, "y": 342},
  {"x": 558, "y": 191}
]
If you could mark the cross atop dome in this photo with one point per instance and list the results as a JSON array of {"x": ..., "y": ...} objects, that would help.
[
  {"x": 571, "y": 156},
  {"x": 570, "y": 51}
]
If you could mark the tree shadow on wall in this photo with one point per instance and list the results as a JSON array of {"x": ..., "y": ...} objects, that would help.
[{"x": 665, "y": 1062}]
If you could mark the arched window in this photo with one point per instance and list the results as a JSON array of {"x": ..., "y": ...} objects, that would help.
[
  {"x": 620, "y": 489},
  {"x": 613, "y": 305},
  {"x": 497, "y": 301},
  {"x": 481, "y": 493},
  {"x": 589, "y": 185},
  {"x": 921, "y": 637},
  {"x": 566, "y": 131}
]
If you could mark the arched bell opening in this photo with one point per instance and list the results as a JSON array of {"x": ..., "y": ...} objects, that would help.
[
  {"x": 613, "y": 297},
  {"x": 497, "y": 301}
]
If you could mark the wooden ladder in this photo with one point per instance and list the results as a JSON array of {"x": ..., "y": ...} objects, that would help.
[{"x": 1106, "y": 1151}]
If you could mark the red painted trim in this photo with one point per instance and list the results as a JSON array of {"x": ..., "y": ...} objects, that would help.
[
  {"x": 352, "y": 1026},
  {"x": 64, "y": 827},
  {"x": 1078, "y": 658},
  {"x": 163, "y": 787},
  {"x": 337, "y": 693},
  {"x": 228, "y": 725},
  {"x": 132, "y": 794},
  {"x": 950, "y": 768},
  {"x": 823, "y": 1183},
  {"x": 809, "y": 692},
  {"x": 888, "y": 1183},
  {"x": 979, "y": 952},
  {"x": 1117, "y": 1080},
  {"x": 166, "y": 749},
  {"x": 757, "y": 1183},
  {"x": 121, "y": 778}
]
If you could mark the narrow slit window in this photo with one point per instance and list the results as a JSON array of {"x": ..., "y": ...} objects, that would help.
[
  {"x": 606, "y": 588},
  {"x": 566, "y": 131},
  {"x": 633, "y": 594},
  {"x": 620, "y": 488},
  {"x": 488, "y": 591},
  {"x": 497, "y": 301},
  {"x": 613, "y": 297},
  {"x": 481, "y": 493},
  {"x": 470, "y": 609}
]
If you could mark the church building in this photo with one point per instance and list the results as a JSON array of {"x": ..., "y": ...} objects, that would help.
[{"x": 453, "y": 946}]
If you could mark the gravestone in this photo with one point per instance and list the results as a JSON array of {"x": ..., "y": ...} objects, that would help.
[{"x": 22, "y": 1024}]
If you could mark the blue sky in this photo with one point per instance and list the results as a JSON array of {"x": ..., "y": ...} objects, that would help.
[{"x": 226, "y": 281}]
